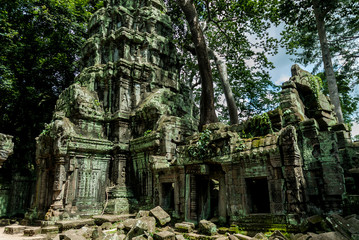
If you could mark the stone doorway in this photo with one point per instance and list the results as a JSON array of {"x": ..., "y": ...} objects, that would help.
[
  {"x": 258, "y": 195},
  {"x": 168, "y": 196}
]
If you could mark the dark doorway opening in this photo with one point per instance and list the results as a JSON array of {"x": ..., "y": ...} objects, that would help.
[
  {"x": 168, "y": 196},
  {"x": 258, "y": 195}
]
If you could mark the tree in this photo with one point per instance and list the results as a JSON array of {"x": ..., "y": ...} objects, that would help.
[
  {"x": 238, "y": 43},
  {"x": 207, "y": 111},
  {"x": 325, "y": 32},
  {"x": 40, "y": 45}
]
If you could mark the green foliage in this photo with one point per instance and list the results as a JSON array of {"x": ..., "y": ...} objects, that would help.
[
  {"x": 259, "y": 125},
  {"x": 40, "y": 46},
  {"x": 200, "y": 149},
  {"x": 316, "y": 84},
  {"x": 238, "y": 31},
  {"x": 349, "y": 102},
  {"x": 147, "y": 132}
]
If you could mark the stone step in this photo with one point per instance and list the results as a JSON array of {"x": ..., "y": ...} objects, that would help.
[
  {"x": 50, "y": 229},
  {"x": 14, "y": 229},
  {"x": 31, "y": 231}
]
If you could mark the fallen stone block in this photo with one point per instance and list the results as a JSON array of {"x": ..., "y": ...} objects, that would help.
[
  {"x": 100, "y": 219},
  {"x": 143, "y": 213},
  {"x": 50, "y": 229},
  {"x": 128, "y": 224},
  {"x": 242, "y": 237},
  {"x": 144, "y": 224},
  {"x": 277, "y": 235},
  {"x": 183, "y": 227},
  {"x": 260, "y": 236},
  {"x": 141, "y": 237},
  {"x": 165, "y": 235},
  {"x": 207, "y": 227},
  {"x": 14, "y": 229},
  {"x": 106, "y": 225},
  {"x": 222, "y": 238},
  {"x": 74, "y": 224},
  {"x": 31, "y": 231},
  {"x": 222, "y": 230},
  {"x": 161, "y": 215},
  {"x": 232, "y": 237},
  {"x": 4, "y": 222},
  {"x": 71, "y": 236},
  {"x": 35, "y": 238},
  {"x": 180, "y": 237}
]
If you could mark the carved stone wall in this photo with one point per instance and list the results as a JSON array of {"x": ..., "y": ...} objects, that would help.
[{"x": 124, "y": 115}]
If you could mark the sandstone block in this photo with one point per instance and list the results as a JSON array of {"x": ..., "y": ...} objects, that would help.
[
  {"x": 161, "y": 215},
  {"x": 31, "y": 231},
  {"x": 165, "y": 235},
  {"x": 183, "y": 227},
  {"x": 242, "y": 237},
  {"x": 129, "y": 223},
  {"x": 207, "y": 227},
  {"x": 50, "y": 229},
  {"x": 142, "y": 213},
  {"x": 100, "y": 219},
  {"x": 14, "y": 229},
  {"x": 74, "y": 224}
]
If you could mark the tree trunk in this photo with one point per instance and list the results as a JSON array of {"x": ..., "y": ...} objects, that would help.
[
  {"x": 327, "y": 60},
  {"x": 207, "y": 111},
  {"x": 222, "y": 69}
]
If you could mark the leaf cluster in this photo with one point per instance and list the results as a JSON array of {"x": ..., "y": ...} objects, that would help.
[{"x": 39, "y": 52}]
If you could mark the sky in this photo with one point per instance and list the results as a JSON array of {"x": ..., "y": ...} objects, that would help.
[{"x": 282, "y": 73}]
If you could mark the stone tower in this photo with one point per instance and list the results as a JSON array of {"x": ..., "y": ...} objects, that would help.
[{"x": 122, "y": 118}]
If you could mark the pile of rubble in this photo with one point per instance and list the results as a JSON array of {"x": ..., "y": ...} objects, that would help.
[{"x": 156, "y": 224}]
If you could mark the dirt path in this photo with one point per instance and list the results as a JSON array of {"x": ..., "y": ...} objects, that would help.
[{"x": 19, "y": 236}]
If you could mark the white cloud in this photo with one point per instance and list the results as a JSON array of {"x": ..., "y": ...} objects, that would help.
[
  {"x": 355, "y": 129},
  {"x": 283, "y": 78}
]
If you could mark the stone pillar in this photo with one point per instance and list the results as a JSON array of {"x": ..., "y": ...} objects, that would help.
[
  {"x": 222, "y": 199},
  {"x": 59, "y": 184}
]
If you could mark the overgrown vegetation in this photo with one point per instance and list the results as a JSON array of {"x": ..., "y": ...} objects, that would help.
[{"x": 200, "y": 149}]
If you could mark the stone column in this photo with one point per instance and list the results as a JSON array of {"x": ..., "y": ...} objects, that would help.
[{"x": 222, "y": 199}]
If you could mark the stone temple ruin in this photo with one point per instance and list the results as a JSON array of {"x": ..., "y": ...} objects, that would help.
[{"x": 123, "y": 137}]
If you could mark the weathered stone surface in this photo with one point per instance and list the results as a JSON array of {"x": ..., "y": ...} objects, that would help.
[
  {"x": 31, "y": 231},
  {"x": 233, "y": 237},
  {"x": 6, "y": 147},
  {"x": 260, "y": 236},
  {"x": 277, "y": 235},
  {"x": 71, "y": 224},
  {"x": 207, "y": 227},
  {"x": 106, "y": 226},
  {"x": 71, "y": 236},
  {"x": 35, "y": 238},
  {"x": 129, "y": 223},
  {"x": 180, "y": 237},
  {"x": 142, "y": 213},
  {"x": 50, "y": 229},
  {"x": 100, "y": 219},
  {"x": 183, "y": 227},
  {"x": 164, "y": 235},
  {"x": 242, "y": 237},
  {"x": 161, "y": 216},
  {"x": 14, "y": 229},
  {"x": 144, "y": 224}
]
